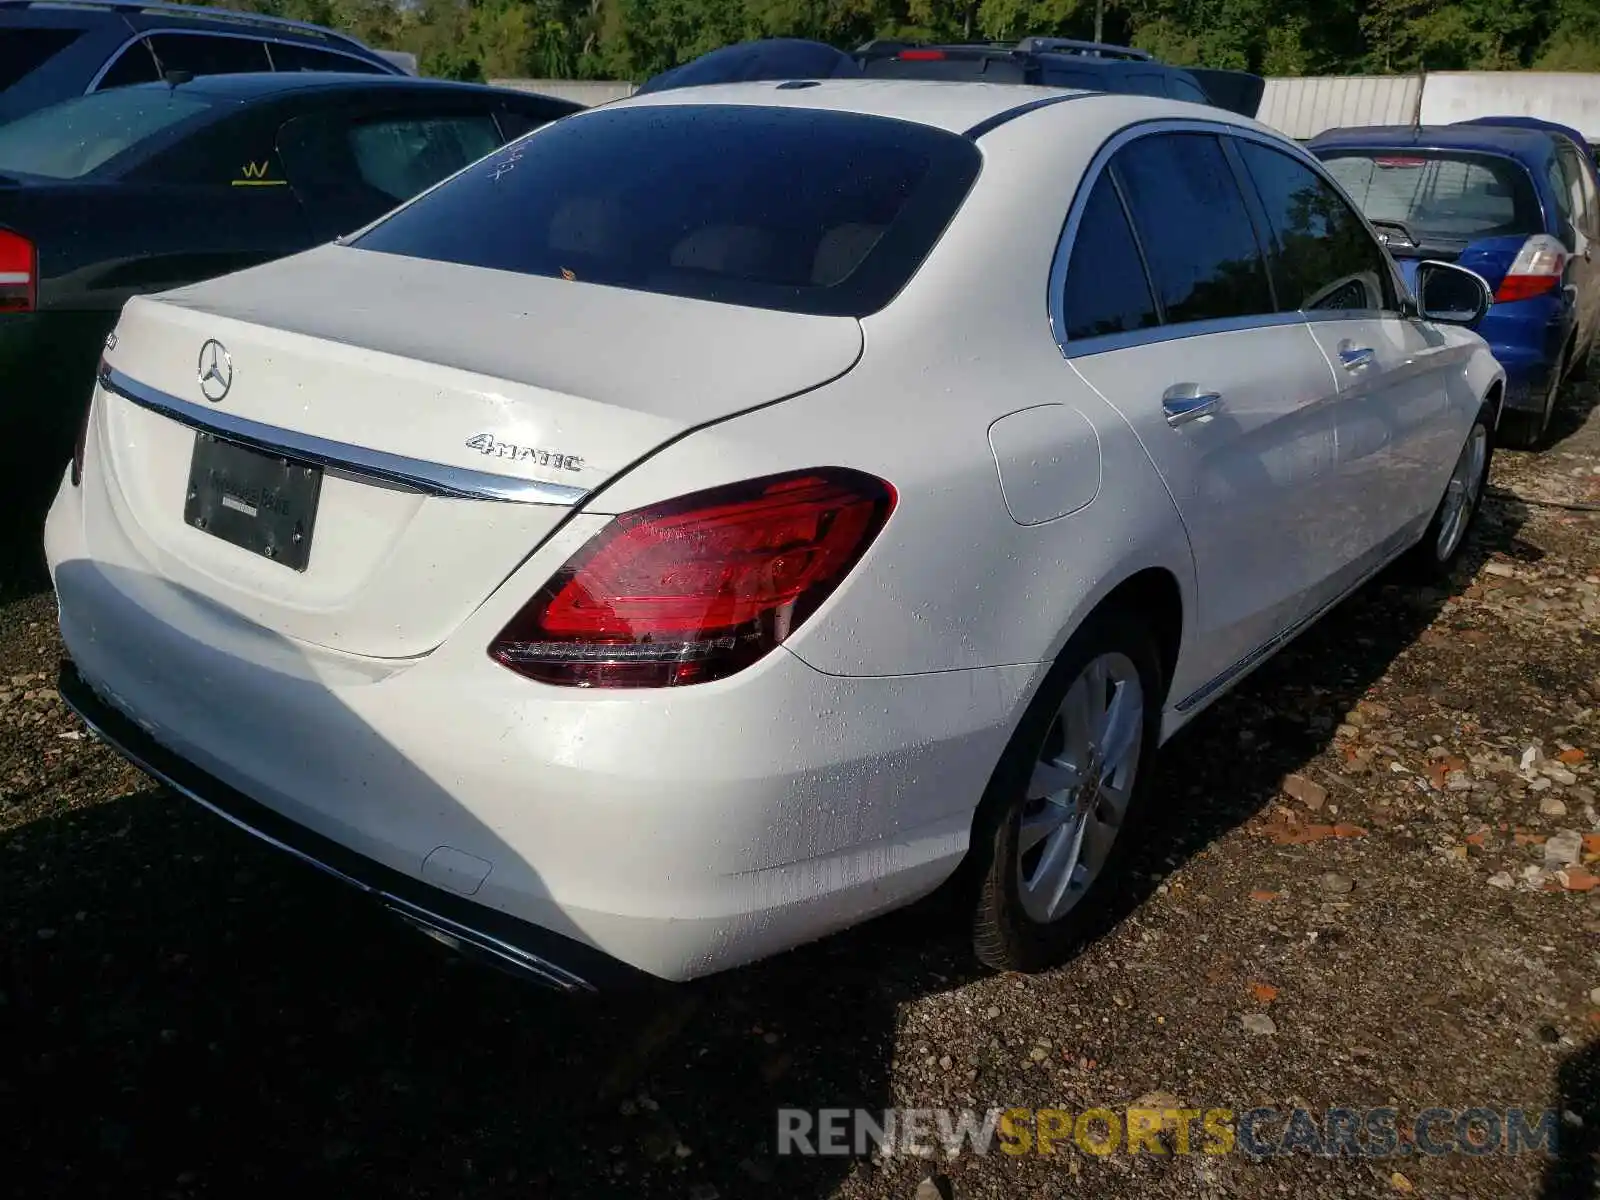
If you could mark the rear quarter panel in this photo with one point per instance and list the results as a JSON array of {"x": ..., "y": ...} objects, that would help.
[{"x": 954, "y": 582}]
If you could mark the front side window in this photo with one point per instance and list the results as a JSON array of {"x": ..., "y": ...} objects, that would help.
[
  {"x": 1106, "y": 290},
  {"x": 134, "y": 65},
  {"x": 792, "y": 209},
  {"x": 1322, "y": 256},
  {"x": 1573, "y": 178},
  {"x": 1191, "y": 219}
]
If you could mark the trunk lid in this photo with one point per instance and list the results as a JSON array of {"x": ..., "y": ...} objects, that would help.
[{"x": 427, "y": 370}]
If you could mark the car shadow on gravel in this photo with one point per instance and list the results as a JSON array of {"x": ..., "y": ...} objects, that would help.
[
  {"x": 1575, "y": 1169},
  {"x": 195, "y": 1014},
  {"x": 1572, "y": 410},
  {"x": 1229, "y": 764}
]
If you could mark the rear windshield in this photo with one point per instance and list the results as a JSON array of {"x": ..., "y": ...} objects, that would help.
[
  {"x": 23, "y": 51},
  {"x": 794, "y": 209},
  {"x": 71, "y": 139},
  {"x": 1443, "y": 194}
]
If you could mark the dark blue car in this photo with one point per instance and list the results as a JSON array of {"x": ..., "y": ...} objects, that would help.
[{"x": 1518, "y": 204}]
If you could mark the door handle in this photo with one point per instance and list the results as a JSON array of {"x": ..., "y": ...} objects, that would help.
[
  {"x": 1186, "y": 402},
  {"x": 1356, "y": 357}
]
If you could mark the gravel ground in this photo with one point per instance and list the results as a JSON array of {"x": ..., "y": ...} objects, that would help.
[{"x": 1368, "y": 887}]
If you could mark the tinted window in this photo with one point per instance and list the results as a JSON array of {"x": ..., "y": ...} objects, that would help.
[
  {"x": 1445, "y": 194},
  {"x": 71, "y": 139},
  {"x": 802, "y": 210},
  {"x": 1191, "y": 220},
  {"x": 25, "y": 50},
  {"x": 1143, "y": 83},
  {"x": 401, "y": 156},
  {"x": 1322, "y": 255},
  {"x": 1106, "y": 289},
  {"x": 293, "y": 57},
  {"x": 209, "y": 54},
  {"x": 1573, "y": 178},
  {"x": 517, "y": 119},
  {"x": 1591, "y": 201},
  {"x": 134, "y": 65},
  {"x": 1181, "y": 89}
]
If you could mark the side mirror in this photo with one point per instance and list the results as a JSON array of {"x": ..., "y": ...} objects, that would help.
[{"x": 1450, "y": 294}]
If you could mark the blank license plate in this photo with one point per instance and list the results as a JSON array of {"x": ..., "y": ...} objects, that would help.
[{"x": 257, "y": 501}]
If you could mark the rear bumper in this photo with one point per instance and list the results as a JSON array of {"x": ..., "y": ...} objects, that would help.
[
  {"x": 680, "y": 835},
  {"x": 483, "y": 933}
]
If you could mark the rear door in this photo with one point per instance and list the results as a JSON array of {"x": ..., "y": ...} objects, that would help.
[
  {"x": 1166, "y": 310},
  {"x": 1392, "y": 425},
  {"x": 351, "y": 162}
]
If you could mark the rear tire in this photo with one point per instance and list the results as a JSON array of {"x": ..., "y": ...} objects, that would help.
[
  {"x": 1458, "y": 508},
  {"x": 1053, "y": 830}
]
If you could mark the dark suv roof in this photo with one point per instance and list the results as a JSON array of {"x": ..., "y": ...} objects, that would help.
[
  {"x": 51, "y": 50},
  {"x": 1061, "y": 62}
]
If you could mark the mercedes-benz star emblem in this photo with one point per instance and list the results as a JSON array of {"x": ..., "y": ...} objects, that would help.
[{"x": 215, "y": 370}]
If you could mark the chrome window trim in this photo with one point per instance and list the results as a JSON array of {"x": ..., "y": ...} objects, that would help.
[
  {"x": 430, "y": 478},
  {"x": 1313, "y": 164},
  {"x": 1074, "y": 348},
  {"x": 264, "y": 37}
]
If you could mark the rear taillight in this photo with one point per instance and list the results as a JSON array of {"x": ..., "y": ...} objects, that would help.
[
  {"x": 19, "y": 273},
  {"x": 1537, "y": 269},
  {"x": 700, "y": 587},
  {"x": 921, "y": 55}
]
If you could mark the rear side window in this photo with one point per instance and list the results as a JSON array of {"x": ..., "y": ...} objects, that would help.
[
  {"x": 1439, "y": 193},
  {"x": 1106, "y": 290},
  {"x": 1181, "y": 89},
  {"x": 1192, "y": 222},
  {"x": 1142, "y": 83},
  {"x": 209, "y": 54},
  {"x": 293, "y": 57},
  {"x": 1322, "y": 255},
  {"x": 73, "y": 138},
  {"x": 401, "y": 156},
  {"x": 800, "y": 210},
  {"x": 23, "y": 51}
]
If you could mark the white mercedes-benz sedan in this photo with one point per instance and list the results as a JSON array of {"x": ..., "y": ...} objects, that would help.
[{"x": 715, "y": 518}]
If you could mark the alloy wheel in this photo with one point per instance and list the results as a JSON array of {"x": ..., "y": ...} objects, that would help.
[{"x": 1080, "y": 788}]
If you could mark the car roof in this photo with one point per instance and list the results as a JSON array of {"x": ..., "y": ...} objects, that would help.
[
  {"x": 1513, "y": 141},
  {"x": 249, "y": 85},
  {"x": 132, "y": 16},
  {"x": 955, "y": 106}
]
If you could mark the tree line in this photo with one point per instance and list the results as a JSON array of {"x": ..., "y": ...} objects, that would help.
[{"x": 634, "y": 39}]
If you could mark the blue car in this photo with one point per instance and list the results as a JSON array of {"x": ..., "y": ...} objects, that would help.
[{"x": 1520, "y": 205}]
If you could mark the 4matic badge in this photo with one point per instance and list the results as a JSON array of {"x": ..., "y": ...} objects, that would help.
[{"x": 487, "y": 443}]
